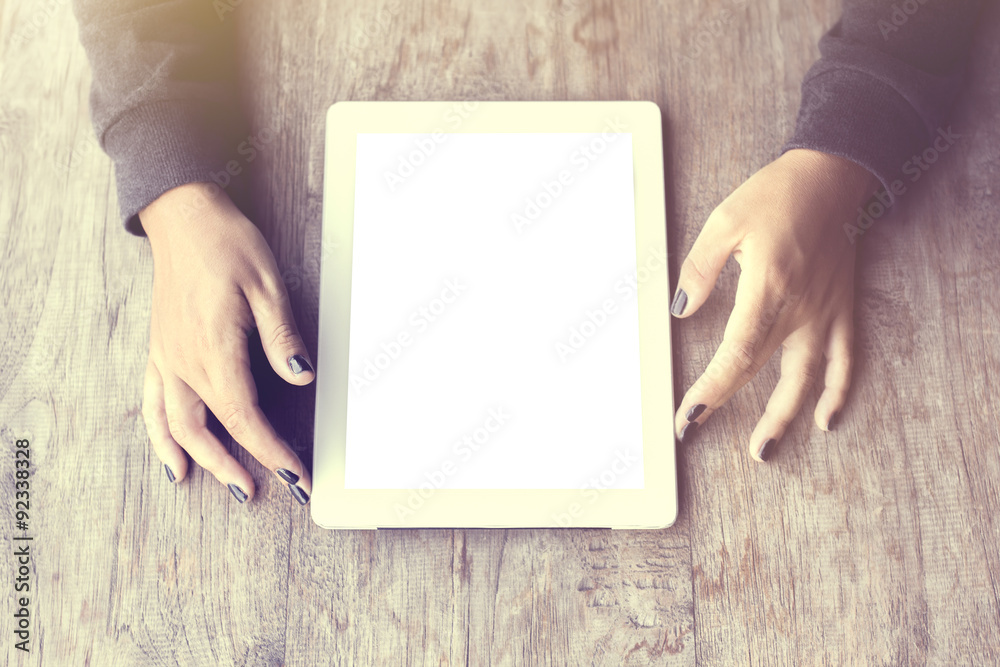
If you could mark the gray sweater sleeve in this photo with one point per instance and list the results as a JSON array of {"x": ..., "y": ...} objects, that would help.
[
  {"x": 888, "y": 73},
  {"x": 163, "y": 97}
]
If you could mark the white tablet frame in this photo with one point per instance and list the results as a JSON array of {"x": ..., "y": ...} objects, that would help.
[{"x": 335, "y": 507}]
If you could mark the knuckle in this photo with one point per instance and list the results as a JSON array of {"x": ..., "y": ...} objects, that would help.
[
  {"x": 841, "y": 379},
  {"x": 847, "y": 370},
  {"x": 779, "y": 279},
  {"x": 202, "y": 340},
  {"x": 178, "y": 430},
  {"x": 150, "y": 414},
  {"x": 235, "y": 417},
  {"x": 269, "y": 457},
  {"x": 807, "y": 375},
  {"x": 838, "y": 371},
  {"x": 842, "y": 361},
  {"x": 260, "y": 284},
  {"x": 779, "y": 420},
  {"x": 734, "y": 365},
  {"x": 710, "y": 384},
  {"x": 152, "y": 420},
  {"x": 745, "y": 375},
  {"x": 769, "y": 313},
  {"x": 838, "y": 396},
  {"x": 214, "y": 461},
  {"x": 696, "y": 265},
  {"x": 743, "y": 353},
  {"x": 273, "y": 287},
  {"x": 284, "y": 336},
  {"x": 723, "y": 217}
]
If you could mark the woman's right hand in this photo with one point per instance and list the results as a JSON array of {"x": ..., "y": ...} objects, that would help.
[{"x": 215, "y": 280}]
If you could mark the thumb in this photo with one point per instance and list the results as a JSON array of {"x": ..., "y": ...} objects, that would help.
[
  {"x": 702, "y": 266},
  {"x": 279, "y": 336}
]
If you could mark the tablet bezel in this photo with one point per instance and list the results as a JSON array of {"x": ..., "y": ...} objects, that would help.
[{"x": 335, "y": 507}]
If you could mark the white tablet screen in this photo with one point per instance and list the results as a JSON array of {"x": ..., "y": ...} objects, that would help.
[{"x": 494, "y": 333}]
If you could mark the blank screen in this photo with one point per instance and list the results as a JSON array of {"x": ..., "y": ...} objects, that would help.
[{"x": 494, "y": 333}]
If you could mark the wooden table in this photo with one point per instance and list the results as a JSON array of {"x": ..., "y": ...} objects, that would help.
[{"x": 878, "y": 543}]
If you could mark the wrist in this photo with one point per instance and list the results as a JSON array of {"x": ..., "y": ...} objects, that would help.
[
  {"x": 180, "y": 205},
  {"x": 847, "y": 179}
]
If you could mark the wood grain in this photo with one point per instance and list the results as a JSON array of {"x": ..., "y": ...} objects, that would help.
[{"x": 876, "y": 544}]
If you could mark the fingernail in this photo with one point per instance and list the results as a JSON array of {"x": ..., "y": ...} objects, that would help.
[
  {"x": 298, "y": 364},
  {"x": 170, "y": 473},
  {"x": 695, "y": 412},
  {"x": 688, "y": 431},
  {"x": 287, "y": 475},
  {"x": 238, "y": 493},
  {"x": 298, "y": 494},
  {"x": 829, "y": 424},
  {"x": 680, "y": 302},
  {"x": 764, "y": 452}
]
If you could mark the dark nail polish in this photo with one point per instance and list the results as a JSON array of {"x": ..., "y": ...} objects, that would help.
[
  {"x": 765, "y": 449},
  {"x": 695, "y": 412},
  {"x": 688, "y": 431},
  {"x": 170, "y": 473},
  {"x": 298, "y": 494},
  {"x": 287, "y": 475},
  {"x": 238, "y": 493},
  {"x": 298, "y": 364},
  {"x": 829, "y": 424},
  {"x": 680, "y": 303}
]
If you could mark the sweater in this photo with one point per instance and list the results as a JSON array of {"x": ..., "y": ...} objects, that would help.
[{"x": 164, "y": 98}]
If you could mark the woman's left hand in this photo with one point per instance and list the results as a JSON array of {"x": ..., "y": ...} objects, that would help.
[{"x": 785, "y": 228}]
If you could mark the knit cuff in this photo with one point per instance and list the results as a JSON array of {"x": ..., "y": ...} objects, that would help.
[
  {"x": 161, "y": 145},
  {"x": 853, "y": 115}
]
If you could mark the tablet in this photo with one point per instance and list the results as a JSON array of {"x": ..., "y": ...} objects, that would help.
[{"x": 494, "y": 332}]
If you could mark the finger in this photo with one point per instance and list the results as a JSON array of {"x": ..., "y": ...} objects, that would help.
[
  {"x": 186, "y": 418},
  {"x": 703, "y": 264},
  {"x": 800, "y": 360},
  {"x": 232, "y": 397},
  {"x": 154, "y": 413},
  {"x": 752, "y": 335},
  {"x": 279, "y": 335},
  {"x": 839, "y": 362}
]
